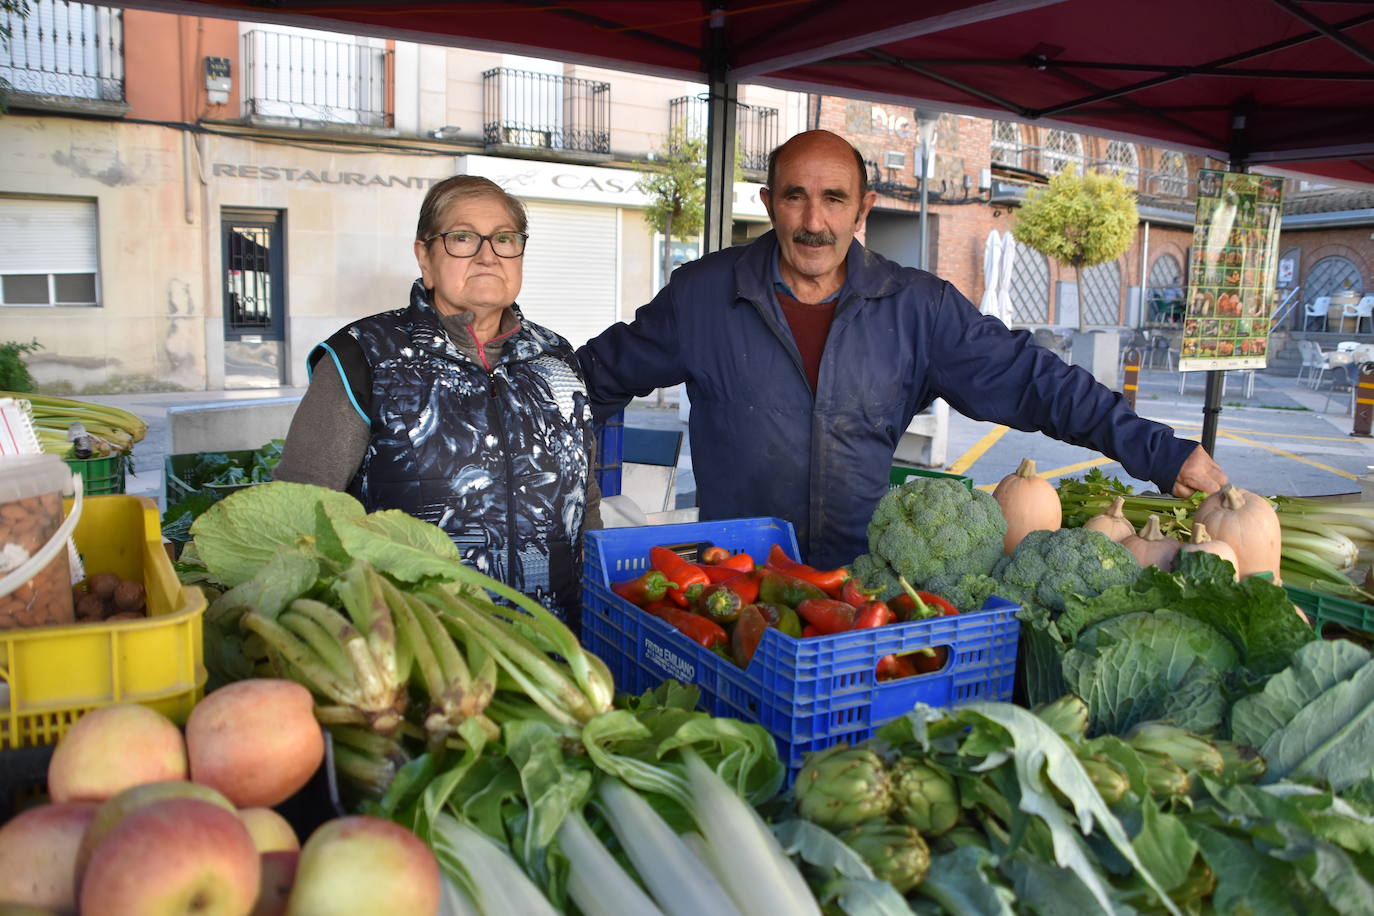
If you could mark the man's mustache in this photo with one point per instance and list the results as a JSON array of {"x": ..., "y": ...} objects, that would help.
[{"x": 803, "y": 237}]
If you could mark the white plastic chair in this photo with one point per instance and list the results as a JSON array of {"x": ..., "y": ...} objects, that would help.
[
  {"x": 1359, "y": 311},
  {"x": 1309, "y": 359},
  {"x": 1332, "y": 361},
  {"x": 1317, "y": 308}
]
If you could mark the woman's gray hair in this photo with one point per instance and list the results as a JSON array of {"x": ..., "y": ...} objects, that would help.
[{"x": 460, "y": 188}]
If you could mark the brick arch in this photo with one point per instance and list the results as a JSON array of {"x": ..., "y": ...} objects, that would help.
[{"x": 1354, "y": 256}]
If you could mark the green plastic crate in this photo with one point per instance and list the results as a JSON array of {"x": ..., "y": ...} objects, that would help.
[
  {"x": 1324, "y": 609},
  {"x": 900, "y": 475},
  {"x": 100, "y": 476},
  {"x": 175, "y": 488}
]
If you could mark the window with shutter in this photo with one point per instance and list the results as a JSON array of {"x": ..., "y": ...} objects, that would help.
[{"x": 51, "y": 252}]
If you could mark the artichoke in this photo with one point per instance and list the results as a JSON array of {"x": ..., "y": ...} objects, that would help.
[
  {"x": 1067, "y": 715},
  {"x": 1108, "y": 778},
  {"x": 843, "y": 786},
  {"x": 924, "y": 797},
  {"x": 1191, "y": 752},
  {"x": 1243, "y": 763},
  {"x": 895, "y": 852},
  {"x": 1164, "y": 777}
]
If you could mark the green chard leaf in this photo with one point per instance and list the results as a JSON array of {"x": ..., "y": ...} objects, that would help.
[
  {"x": 1163, "y": 845},
  {"x": 1248, "y": 881},
  {"x": 964, "y": 883}
]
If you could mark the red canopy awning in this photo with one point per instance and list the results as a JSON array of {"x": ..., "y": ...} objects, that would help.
[{"x": 1282, "y": 83}]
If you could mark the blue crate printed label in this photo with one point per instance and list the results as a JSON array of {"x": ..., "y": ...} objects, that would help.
[{"x": 669, "y": 662}]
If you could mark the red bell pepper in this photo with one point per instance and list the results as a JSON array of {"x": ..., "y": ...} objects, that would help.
[
  {"x": 874, "y": 614},
  {"x": 808, "y": 631},
  {"x": 924, "y": 662},
  {"x": 741, "y": 561},
  {"x": 681, "y": 574},
  {"x": 748, "y": 632},
  {"x": 698, "y": 629},
  {"x": 780, "y": 588},
  {"x": 828, "y": 580},
  {"x": 651, "y": 586},
  {"x": 745, "y": 584},
  {"x": 718, "y": 602},
  {"x": 916, "y": 605},
  {"x": 853, "y": 592},
  {"x": 713, "y": 556},
  {"x": 827, "y": 615}
]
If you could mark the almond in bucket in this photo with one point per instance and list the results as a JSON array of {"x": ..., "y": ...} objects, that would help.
[{"x": 31, "y": 488}]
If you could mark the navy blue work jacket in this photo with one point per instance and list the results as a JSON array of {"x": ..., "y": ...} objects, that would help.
[{"x": 763, "y": 444}]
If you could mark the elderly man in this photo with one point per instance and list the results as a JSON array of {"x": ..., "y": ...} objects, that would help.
[{"x": 806, "y": 356}]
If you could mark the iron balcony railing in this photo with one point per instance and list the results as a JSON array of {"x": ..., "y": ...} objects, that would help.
[
  {"x": 755, "y": 125},
  {"x": 66, "y": 50},
  {"x": 314, "y": 79},
  {"x": 1172, "y": 185},
  {"x": 545, "y": 111}
]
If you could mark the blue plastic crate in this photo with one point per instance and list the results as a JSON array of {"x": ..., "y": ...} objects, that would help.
[
  {"x": 610, "y": 448},
  {"x": 809, "y": 694}
]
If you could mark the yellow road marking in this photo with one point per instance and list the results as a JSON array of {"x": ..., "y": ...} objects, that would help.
[
  {"x": 1060, "y": 472},
  {"x": 966, "y": 460},
  {"x": 1279, "y": 451},
  {"x": 1256, "y": 432}
]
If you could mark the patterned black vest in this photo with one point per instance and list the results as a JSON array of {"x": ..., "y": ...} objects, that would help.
[{"x": 496, "y": 459}]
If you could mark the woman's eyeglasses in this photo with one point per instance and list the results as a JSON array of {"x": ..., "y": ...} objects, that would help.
[{"x": 464, "y": 243}]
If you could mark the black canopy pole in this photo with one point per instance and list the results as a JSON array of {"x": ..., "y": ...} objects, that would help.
[
  {"x": 1216, "y": 379},
  {"x": 722, "y": 98}
]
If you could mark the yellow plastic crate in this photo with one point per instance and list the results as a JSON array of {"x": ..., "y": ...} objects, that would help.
[{"x": 50, "y": 676}]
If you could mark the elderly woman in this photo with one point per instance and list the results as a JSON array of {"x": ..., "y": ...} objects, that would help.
[{"x": 456, "y": 409}]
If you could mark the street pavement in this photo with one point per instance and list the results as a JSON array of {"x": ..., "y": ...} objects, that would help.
[{"x": 1285, "y": 439}]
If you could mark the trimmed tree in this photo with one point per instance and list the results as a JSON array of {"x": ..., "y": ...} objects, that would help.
[
  {"x": 1079, "y": 220},
  {"x": 677, "y": 191}
]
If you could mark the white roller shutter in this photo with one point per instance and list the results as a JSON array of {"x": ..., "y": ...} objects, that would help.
[
  {"x": 40, "y": 236},
  {"x": 570, "y": 269}
]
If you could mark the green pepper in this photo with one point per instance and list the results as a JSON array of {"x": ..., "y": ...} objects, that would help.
[
  {"x": 790, "y": 623},
  {"x": 780, "y": 588}
]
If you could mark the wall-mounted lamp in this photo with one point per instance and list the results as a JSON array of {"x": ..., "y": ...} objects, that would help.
[{"x": 447, "y": 132}]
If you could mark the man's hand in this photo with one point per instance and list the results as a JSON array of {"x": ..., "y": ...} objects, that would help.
[{"x": 1199, "y": 472}]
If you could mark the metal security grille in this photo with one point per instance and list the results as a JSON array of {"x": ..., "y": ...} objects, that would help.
[
  {"x": 1166, "y": 273},
  {"x": 755, "y": 125},
  {"x": 253, "y": 280},
  {"x": 1171, "y": 178},
  {"x": 1006, "y": 143},
  {"x": 1060, "y": 150},
  {"x": 543, "y": 110},
  {"x": 1100, "y": 293},
  {"x": 1030, "y": 287},
  {"x": 1332, "y": 275},
  {"x": 1123, "y": 162},
  {"x": 70, "y": 50},
  {"x": 313, "y": 79}
]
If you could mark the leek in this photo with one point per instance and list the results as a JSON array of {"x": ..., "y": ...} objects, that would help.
[
  {"x": 678, "y": 879},
  {"x": 597, "y": 883}
]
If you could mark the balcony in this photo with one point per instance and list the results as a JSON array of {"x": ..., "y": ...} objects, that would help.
[
  {"x": 300, "y": 81},
  {"x": 525, "y": 111},
  {"x": 755, "y": 126},
  {"x": 64, "y": 56},
  {"x": 1166, "y": 185}
]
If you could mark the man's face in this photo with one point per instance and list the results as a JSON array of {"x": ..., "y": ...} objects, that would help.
[{"x": 815, "y": 208}]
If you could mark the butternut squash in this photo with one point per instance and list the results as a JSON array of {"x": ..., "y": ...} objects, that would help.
[
  {"x": 1113, "y": 523},
  {"x": 1029, "y": 503},
  {"x": 1249, "y": 524},
  {"x": 1201, "y": 542},
  {"x": 1151, "y": 547}
]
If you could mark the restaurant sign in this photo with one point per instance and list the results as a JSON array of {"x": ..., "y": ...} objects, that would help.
[{"x": 1231, "y": 280}]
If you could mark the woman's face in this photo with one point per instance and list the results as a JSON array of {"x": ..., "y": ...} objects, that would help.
[{"x": 482, "y": 284}]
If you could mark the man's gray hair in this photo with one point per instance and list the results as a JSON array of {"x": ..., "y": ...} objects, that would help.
[{"x": 858, "y": 162}]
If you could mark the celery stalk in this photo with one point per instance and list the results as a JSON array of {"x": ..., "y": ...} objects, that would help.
[{"x": 597, "y": 883}]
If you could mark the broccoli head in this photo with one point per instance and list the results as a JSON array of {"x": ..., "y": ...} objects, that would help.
[
  {"x": 1049, "y": 566},
  {"x": 931, "y": 526},
  {"x": 873, "y": 573},
  {"x": 966, "y": 592}
]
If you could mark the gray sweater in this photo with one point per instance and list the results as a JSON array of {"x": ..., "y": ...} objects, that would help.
[{"x": 325, "y": 414}]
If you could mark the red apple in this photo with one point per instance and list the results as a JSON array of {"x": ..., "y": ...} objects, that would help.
[
  {"x": 112, "y": 748},
  {"x": 173, "y": 858},
  {"x": 38, "y": 854},
  {"x": 256, "y": 741},
  {"x": 117, "y": 807},
  {"x": 364, "y": 866},
  {"x": 270, "y": 831},
  {"x": 274, "y": 888}
]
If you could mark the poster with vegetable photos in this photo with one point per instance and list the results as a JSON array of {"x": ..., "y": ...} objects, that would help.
[{"x": 1231, "y": 295}]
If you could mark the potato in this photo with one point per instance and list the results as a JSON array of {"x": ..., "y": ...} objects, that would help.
[
  {"x": 129, "y": 597},
  {"x": 104, "y": 584}
]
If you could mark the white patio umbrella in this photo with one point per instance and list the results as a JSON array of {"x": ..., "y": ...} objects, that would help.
[
  {"x": 992, "y": 266},
  {"x": 1004, "y": 275}
]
